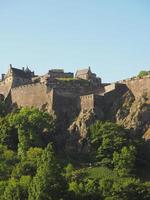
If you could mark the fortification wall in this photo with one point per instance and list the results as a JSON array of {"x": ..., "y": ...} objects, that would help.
[
  {"x": 87, "y": 102},
  {"x": 93, "y": 102},
  {"x": 73, "y": 87},
  {"x": 110, "y": 87},
  {"x": 33, "y": 95},
  {"x": 139, "y": 86},
  {"x": 66, "y": 108},
  {"x": 5, "y": 86}
]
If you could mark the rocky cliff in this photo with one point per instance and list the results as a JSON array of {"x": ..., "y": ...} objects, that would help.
[{"x": 126, "y": 110}]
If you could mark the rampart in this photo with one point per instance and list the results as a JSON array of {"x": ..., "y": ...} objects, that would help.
[
  {"x": 65, "y": 107},
  {"x": 5, "y": 87},
  {"x": 87, "y": 102},
  {"x": 138, "y": 86},
  {"x": 91, "y": 101},
  {"x": 73, "y": 87},
  {"x": 33, "y": 95},
  {"x": 110, "y": 87}
]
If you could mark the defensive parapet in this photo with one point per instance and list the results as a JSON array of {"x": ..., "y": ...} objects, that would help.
[
  {"x": 92, "y": 102},
  {"x": 33, "y": 95},
  {"x": 5, "y": 87},
  {"x": 67, "y": 87},
  {"x": 139, "y": 86},
  {"x": 87, "y": 102}
]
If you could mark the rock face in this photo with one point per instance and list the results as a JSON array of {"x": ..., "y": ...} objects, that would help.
[
  {"x": 78, "y": 130},
  {"x": 147, "y": 135},
  {"x": 133, "y": 113},
  {"x": 139, "y": 116}
]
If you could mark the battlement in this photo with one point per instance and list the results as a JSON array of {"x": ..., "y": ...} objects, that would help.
[
  {"x": 134, "y": 79},
  {"x": 59, "y": 73},
  {"x": 30, "y": 85},
  {"x": 32, "y": 95},
  {"x": 91, "y": 102},
  {"x": 139, "y": 86}
]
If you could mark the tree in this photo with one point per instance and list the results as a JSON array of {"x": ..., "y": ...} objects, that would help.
[
  {"x": 13, "y": 190},
  {"x": 35, "y": 128},
  {"x": 28, "y": 166},
  {"x": 25, "y": 184},
  {"x": 3, "y": 185},
  {"x": 143, "y": 73},
  {"x": 48, "y": 184},
  {"x": 86, "y": 189},
  {"x": 8, "y": 159},
  {"x": 3, "y": 107},
  {"x": 17, "y": 189},
  {"x": 8, "y": 133},
  {"x": 105, "y": 139},
  {"x": 124, "y": 161},
  {"x": 129, "y": 188}
]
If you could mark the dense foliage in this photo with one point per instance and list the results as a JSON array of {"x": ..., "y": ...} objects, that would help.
[
  {"x": 32, "y": 169},
  {"x": 143, "y": 73}
]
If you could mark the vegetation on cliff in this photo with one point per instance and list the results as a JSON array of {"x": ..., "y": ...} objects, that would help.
[
  {"x": 33, "y": 167},
  {"x": 143, "y": 73}
]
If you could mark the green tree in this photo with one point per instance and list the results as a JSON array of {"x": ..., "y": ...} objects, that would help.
[
  {"x": 69, "y": 171},
  {"x": 24, "y": 183},
  {"x": 28, "y": 166},
  {"x": 3, "y": 108},
  {"x": 13, "y": 190},
  {"x": 17, "y": 189},
  {"x": 8, "y": 133},
  {"x": 8, "y": 159},
  {"x": 35, "y": 128},
  {"x": 86, "y": 189},
  {"x": 143, "y": 73},
  {"x": 130, "y": 188},
  {"x": 48, "y": 184},
  {"x": 124, "y": 161},
  {"x": 3, "y": 185},
  {"x": 105, "y": 139}
]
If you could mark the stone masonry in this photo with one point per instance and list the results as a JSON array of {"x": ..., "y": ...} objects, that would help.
[{"x": 64, "y": 93}]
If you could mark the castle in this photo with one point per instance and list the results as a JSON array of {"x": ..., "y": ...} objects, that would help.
[{"x": 63, "y": 92}]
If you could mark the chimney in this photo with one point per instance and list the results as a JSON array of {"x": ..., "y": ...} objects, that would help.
[{"x": 22, "y": 68}]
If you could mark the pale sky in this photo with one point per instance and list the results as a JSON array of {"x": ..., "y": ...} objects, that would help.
[{"x": 111, "y": 36}]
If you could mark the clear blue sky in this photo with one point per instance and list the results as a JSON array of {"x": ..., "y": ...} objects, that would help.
[{"x": 112, "y": 36}]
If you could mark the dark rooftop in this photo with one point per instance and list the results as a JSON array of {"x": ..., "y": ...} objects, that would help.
[{"x": 20, "y": 73}]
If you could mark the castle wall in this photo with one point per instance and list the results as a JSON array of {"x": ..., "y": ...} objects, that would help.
[
  {"x": 139, "y": 86},
  {"x": 17, "y": 81},
  {"x": 83, "y": 76},
  {"x": 55, "y": 74},
  {"x": 5, "y": 86},
  {"x": 65, "y": 107},
  {"x": 114, "y": 92},
  {"x": 110, "y": 87},
  {"x": 73, "y": 87},
  {"x": 33, "y": 95},
  {"x": 87, "y": 102}
]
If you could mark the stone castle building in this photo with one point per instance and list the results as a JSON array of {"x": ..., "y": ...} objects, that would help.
[{"x": 64, "y": 93}]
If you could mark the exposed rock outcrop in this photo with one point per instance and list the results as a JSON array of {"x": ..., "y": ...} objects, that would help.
[
  {"x": 78, "y": 130},
  {"x": 147, "y": 135},
  {"x": 133, "y": 113}
]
